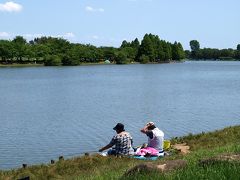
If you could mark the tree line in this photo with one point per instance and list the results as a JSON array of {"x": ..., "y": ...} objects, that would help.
[
  {"x": 197, "y": 53},
  {"x": 53, "y": 51}
]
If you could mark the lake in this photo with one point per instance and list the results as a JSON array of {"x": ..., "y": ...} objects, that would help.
[{"x": 46, "y": 112}]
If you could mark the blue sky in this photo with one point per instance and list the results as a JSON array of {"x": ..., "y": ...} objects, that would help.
[{"x": 214, "y": 23}]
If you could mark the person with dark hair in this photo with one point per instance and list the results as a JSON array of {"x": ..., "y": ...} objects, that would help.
[
  {"x": 122, "y": 142},
  {"x": 155, "y": 136}
]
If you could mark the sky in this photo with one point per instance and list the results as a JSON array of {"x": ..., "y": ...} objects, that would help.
[{"x": 214, "y": 23}]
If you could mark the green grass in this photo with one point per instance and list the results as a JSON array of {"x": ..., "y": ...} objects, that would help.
[
  {"x": 229, "y": 135},
  {"x": 203, "y": 145}
]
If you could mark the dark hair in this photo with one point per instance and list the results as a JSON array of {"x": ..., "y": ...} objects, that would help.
[{"x": 151, "y": 127}]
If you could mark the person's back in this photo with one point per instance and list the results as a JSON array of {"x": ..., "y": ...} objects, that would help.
[
  {"x": 122, "y": 142},
  {"x": 155, "y": 136},
  {"x": 157, "y": 139}
]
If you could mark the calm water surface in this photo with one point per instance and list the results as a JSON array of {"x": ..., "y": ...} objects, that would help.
[{"x": 46, "y": 112}]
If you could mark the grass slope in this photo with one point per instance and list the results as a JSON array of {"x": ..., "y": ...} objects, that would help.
[{"x": 96, "y": 167}]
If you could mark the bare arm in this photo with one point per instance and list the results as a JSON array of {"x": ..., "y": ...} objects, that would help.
[
  {"x": 105, "y": 147},
  {"x": 144, "y": 129}
]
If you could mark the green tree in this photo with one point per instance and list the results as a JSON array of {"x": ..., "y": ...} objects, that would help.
[
  {"x": 130, "y": 52},
  {"x": 144, "y": 59},
  {"x": 135, "y": 44},
  {"x": 29, "y": 54},
  {"x": 226, "y": 54},
  {"x": 57, "y": 46},
  {"x": 122, "y": 58},
  {"x": 20, "y": 47},
  {"x": 167, "y": 51},
  {"x": 41, "y": 51},
  {"x": 176, "y": 52},
  {"x": 160, "y": 52},
  {"x": 181, "y": 51},
  {"x": 237, "y": 52},
  {"x": 237, "y": 55},
  {"x": 194, "y": 44},
  {"x": 5, "y": 50},
  {"x": 147, "y": 48},
  {"x": 109, "y": 53},
  {"x": 53, "y": 60},
  {"x": 187, "y": 54},
  {"x": 70, "y": 60},
  {"x": 125, "y": 44},
  {"x": 58, "y": 51},
  {"x": 238, "y": 47},
  {"x": 195, "y": 47}
]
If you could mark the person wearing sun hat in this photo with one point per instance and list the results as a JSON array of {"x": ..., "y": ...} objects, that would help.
[
  {"x": 122, "y": 142},
  {"x": 155, "y": 136}
]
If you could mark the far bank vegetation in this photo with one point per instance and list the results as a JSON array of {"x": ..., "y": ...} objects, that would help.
[{"x": 53, "y": 51}]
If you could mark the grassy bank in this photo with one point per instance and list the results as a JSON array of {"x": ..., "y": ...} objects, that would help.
[{"x": 202, "y": 146}]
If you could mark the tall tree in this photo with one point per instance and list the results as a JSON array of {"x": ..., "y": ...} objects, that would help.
[
  {"x": 147, "y": 48},
  {"x": 20, "y": 48},
  {"x": 135, "y": 43},
  {"x": 167, "y": 51},
  {"x": 5, "y": 50},
  {"x": 175, "y": 54},
  {"x": 238, "y": 47},
  {"x": 160, "y": 51},
  {"x": 195, "y": 47},
  {"x": 121, "y": 58},
  {"x": 181, "y": 51},
  {"x": 125, "y": 44}
]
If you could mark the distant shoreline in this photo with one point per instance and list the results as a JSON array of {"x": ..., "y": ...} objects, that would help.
[
  {"x": 103, "y": 63},
  {"x": 20, "y": 65},
  {"x": 82, "y": 64}
]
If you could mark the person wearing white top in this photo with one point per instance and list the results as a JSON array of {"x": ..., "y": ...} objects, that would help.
[{"x": 155, "y": 136}]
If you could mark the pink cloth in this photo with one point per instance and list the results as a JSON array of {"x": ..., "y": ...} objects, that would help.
[{"x": 147, "y": 150}]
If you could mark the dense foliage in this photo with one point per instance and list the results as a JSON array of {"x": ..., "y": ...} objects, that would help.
[
  {"x": 57, "y": 51},
  {"x": 210, "y": 53}
]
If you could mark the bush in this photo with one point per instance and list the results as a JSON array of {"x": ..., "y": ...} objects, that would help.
[
  {"x": 52, "y": 60},
  {"x": 122, "y": 58},
  {"x": 144, "y": 59},
  {"x": 70, "y": 61}
]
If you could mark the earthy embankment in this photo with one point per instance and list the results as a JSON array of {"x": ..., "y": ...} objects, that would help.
[{"x": 214, "y": 155}]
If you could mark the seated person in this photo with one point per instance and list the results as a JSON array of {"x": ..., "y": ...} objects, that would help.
[
  {"x": 155, "y": 136},
  {"x": 122, "y": 142}
]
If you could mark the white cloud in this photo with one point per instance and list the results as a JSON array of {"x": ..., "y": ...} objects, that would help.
[
  {"x": 32, "y": 35},
  {"x": 4, "y": 35},
  {"x": 66, "y": 35},
  {"x": 95, "y": 37},
  {"x": 91, "y": 9},
  {"x": 88, "y": 8},
  {"x": 69, "y": 35},
  {"x": 10, "y": 7}
]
